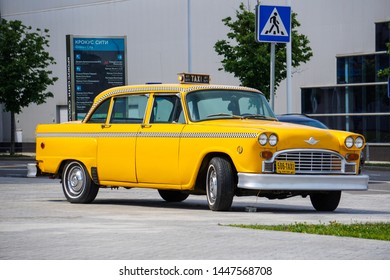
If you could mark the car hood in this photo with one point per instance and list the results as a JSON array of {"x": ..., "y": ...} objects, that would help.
[{"x": 290, "y": 136}]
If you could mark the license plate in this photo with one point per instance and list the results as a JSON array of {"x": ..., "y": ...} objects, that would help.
[{"x": 285, "y": 167}]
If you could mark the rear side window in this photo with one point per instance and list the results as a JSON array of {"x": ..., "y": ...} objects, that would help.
[{"x": 129, "y": 109}]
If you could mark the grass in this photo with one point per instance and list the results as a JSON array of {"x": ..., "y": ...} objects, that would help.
[{"x": 378, "y": 231}]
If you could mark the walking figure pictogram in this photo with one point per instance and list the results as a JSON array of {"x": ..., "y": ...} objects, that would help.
[
  {"x": 271, "y": 23},
  {"x": 275, "y": 23}
]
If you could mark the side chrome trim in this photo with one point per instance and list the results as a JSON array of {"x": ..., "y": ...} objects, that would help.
[
  {"x": 149, "y": 134},
  {"x": 302, "y": 182}
]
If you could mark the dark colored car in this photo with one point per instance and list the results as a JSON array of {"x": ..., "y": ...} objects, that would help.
[{"x": 301, "y": 119}]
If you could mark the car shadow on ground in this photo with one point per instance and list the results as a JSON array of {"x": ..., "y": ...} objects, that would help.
[{"x": 198, "y": 205}]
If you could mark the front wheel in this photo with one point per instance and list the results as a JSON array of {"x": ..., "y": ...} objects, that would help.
[
  {"x": 219, "y": 184},
  {"x": 77, "y": 185},
  {"x": 325, "y": 201}
]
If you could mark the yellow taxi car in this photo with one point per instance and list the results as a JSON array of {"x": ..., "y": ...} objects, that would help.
[{"x": 198, "y": 138}]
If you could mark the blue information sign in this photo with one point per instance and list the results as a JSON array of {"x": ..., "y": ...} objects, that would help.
[
  {"x": 273, "y": 24},
  {"x": 94, "y": 64}
]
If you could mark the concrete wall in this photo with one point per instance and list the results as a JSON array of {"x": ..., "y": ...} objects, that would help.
[{"x": 157, "y": 40}]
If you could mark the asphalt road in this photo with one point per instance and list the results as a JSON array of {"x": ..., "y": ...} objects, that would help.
[{"x": 36, "y": 222}]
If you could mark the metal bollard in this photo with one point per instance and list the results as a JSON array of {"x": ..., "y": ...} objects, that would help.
[{"x": 31, "y": 170}]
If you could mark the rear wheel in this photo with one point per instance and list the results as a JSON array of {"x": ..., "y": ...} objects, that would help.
[
  {"x": 219, "y": 184},
  {"x": 77, "y": 185},
  {"x": 325, "y": 201},
  {"x": 173, "y": 196}
]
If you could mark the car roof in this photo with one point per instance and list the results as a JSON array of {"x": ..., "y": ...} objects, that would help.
[
  {"x": 186, "y": 87},
  {"x": 297, "y": 117}
]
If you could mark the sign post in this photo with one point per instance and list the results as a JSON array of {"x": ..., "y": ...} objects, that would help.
[
  {"x": 273, "y": 25},
  {"x": 272, "y": 77}
]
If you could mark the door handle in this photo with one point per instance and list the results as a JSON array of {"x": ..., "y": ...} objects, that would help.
[{"x": 146, "y": 125}]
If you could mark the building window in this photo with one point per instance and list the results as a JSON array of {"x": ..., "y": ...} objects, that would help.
[
  {"x": 382, "y": 35},
  {"x": 361, "y": 68}
]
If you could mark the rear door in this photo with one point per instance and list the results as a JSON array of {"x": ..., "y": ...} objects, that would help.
[
  {"x": 116, "y": 144},
  {"x": 157, "y": 148}
]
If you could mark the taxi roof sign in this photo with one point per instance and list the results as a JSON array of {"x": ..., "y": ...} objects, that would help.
[{"x": 188, "y": 78}]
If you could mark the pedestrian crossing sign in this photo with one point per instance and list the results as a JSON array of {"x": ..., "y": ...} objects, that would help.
[{"x": 273, "y": 24}]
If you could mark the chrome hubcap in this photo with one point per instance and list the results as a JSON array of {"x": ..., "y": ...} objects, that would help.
[{"x": 76, "y": 180}]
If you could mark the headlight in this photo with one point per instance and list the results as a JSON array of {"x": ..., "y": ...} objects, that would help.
[
  {"x": 273, "y": 139},
  {"x": 359, "y": 142},
  {"x": 349, "y": 142},
  {"x": 263, "y": 139}
]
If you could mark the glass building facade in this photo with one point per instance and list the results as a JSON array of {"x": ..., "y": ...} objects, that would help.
[
  {"x": 360, "y": 108},
  {"x": 360, "y": 101}
]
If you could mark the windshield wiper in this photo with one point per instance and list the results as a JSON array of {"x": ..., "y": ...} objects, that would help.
[
  {"x": 246, "y": 116},
  {"x": 224, "y": 115},
  {"x": 257, "y": 116}
]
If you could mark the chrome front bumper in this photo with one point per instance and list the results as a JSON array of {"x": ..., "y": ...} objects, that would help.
[{"x": 302, "y": 182}]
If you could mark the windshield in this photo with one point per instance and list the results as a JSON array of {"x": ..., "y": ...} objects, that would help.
[{"x": 217, "y": 104}]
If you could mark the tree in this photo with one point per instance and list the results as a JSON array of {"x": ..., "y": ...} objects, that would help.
[
  {"x": 385, "y": 72},
  {"x": 24, "y": 76},
  {"x": 249, "y": 60}
]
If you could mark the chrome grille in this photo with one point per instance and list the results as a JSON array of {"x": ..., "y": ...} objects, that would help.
[{"x": 312, "y": 161}]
